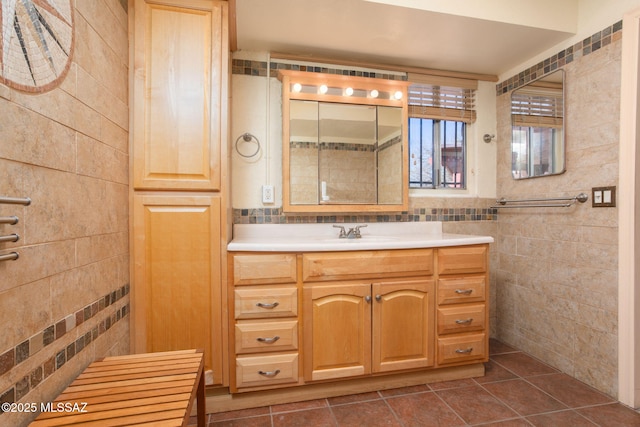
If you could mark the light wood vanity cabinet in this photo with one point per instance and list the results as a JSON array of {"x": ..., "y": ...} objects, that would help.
[
  {"x": 301, "y": 318},
  {"x": 265, "y": 318},
  {"x": 354, "y": 329},
  {"x": 463, "y": 315}
]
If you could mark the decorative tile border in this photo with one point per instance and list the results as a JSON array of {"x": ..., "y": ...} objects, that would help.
[
  {"x": 276, "y": 216},
  {"x": 13, "y": 357},
  {"x": 259, "y": 68},
  {"x": 566, "y": 56}
]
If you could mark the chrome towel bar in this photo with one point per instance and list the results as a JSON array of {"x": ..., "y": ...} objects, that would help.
[
  {"x": 9, "y": 238},
  {"x": 26, "y": 201},
  {"x": 541, "y": 203},
  {"x": 11, "y": 256},
  {"x": 13, "y": 220}
]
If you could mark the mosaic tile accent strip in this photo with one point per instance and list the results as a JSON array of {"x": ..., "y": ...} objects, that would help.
[
  {"x": 259, "y": 68},
  {"x": 276, "y": 216},
  {"x": 566, "y": 56},
  {"x": 343, "y": 146},
  {"x": 36, "y": 43},
  {"x": 54, "y": 332},
  {"x": 390, "y": 143}
]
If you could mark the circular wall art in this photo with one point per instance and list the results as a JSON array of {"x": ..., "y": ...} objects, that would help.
[{"x": 36, "y": 43}]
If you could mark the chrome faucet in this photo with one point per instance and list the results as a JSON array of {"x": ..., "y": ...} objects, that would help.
[{"x": 353, "y": 233}]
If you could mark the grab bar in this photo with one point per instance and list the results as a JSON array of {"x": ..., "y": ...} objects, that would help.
[
  {"x": 10, "y": 238},
  {"x": 535, "y": 203},
  {"x": 11, "y": 256},
  {"x": 26, "y": 201},
  {"x": 13, "y": 220}
]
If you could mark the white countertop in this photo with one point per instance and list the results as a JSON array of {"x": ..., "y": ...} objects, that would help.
[{"x": 324, "y": 237}]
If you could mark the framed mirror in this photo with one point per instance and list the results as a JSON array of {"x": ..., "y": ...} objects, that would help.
[
  {"x": 537, "y": 120},
  {"x": 344, "y": 153}
]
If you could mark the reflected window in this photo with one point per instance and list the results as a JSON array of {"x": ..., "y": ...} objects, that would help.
[{"x": 437, "y": 153}]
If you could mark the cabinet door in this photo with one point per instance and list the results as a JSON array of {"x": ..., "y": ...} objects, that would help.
[
  {"x": 176, "y": 303},
  {"x": 337, "y": 326},
  {"x": 403, "y": 325},
  {"x": 177, "y": 90}
]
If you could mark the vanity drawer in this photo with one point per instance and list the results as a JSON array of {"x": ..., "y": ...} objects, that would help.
[
  {"x": 264, "y": 269},
  {"x": 463, "y": 259},
  {"x": 466, "y": 318},
  {"x": 366, "y": 264},
  {"x": 266, "y": 336},
  {"x": 254, "y": 302},
  {"x": 263, "y": 370},
  {"x": 462, "y": 348},
  {"x": 455, "y": 290}
]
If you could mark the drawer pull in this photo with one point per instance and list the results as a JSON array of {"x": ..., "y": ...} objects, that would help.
[
  {"x": 269, "y": 373},
  {"x": 465, "y": 351},
  {"x": 464, "y": 321},
  {"x": 464, "y": 291},
  {"x": 263, "y": 305},
  {"x": 268, "y": 340}
]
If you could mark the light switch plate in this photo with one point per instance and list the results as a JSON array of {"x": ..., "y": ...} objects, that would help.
[{"x": 603, "y": 197}]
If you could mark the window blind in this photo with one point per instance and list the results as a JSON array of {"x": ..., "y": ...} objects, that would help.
[
  {"x": 431, "y": 97},
  {"x": 537, "y": 107}
]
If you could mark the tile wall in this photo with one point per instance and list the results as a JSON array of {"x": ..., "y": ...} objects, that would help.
[
  {"x": 65, "y": 301},
  {"x": 557, "y": 269}
]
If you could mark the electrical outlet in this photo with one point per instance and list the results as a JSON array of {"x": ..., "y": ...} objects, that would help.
[{"x": 267, "y": 194}]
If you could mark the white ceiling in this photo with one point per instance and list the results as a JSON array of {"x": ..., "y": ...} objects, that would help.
[{"x": 486, "y": 37}]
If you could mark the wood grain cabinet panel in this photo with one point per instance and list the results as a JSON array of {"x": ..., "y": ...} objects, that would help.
[
  {"x": 266, "y": 302},
  {"x": 180, "y": 49},
  {"x": 465, "y": 318},
  {"x": 462, "y": 348},
  {"x": 403, "y": 325},
  {"x": 266, "y": 336},
  {"x": 456, "y": 290},
  {"x": 366, "y": 264},
  {"x": 262, "y": 269},
  {"x": 177, "y": 303},
  {"x": 463, "y": 259},
  {"x": 266, "y": 370}
]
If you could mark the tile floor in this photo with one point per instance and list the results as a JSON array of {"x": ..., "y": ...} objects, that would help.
[{"x": 517, "y": 390}]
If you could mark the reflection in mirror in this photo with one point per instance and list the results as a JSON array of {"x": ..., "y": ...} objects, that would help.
[
  {"x": 303, "y": 152},
  {"x": 345, "y": 154},
  {"x": 389, "y": 155},
  {"x": 537, "y": 117}
]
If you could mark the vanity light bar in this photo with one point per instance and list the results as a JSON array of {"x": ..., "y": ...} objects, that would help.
[{"x": 346, "y": 91}]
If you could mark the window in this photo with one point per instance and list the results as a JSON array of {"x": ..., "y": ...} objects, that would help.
[
  {"x": 438, "y": 118},
  {"x": 436, "y": 153}
]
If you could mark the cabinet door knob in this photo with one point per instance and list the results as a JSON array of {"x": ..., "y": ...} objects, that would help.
[
  {"x": 367, "y": 298},
  {"x": 263, "y": 305},
  {"x": 464, "y": 291},
  {"x": 464, "y": 321},
  {"x": 378, "y": 298},
  {"x": 465, "y": 351},
  {"x": 268, "y": 340},
  {"x": 269, "y": 373}
]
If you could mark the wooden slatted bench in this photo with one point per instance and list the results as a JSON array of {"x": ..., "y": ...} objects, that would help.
[{"x": 153, "y": 389}]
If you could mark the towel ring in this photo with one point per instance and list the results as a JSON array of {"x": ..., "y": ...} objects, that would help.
[{"x": 247, "y": 137}]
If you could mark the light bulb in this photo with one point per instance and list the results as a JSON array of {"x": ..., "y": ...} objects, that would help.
[
  {"x": 398, "y": 95},
  {"x": 323, "y": 89},
  {"x": 374, "y": 93},
  {"x": 348, "y": 91},
  {"x": 297, "y": 87}
]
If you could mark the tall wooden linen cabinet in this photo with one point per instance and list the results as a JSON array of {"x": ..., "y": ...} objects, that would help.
[{"x": 180, "y": 221}]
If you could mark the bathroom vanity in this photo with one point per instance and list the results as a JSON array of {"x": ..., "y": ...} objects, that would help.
[{"x": 404, "y": 302}]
